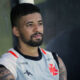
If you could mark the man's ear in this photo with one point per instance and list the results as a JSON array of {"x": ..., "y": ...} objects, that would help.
[{"x": 15, "y": 31}]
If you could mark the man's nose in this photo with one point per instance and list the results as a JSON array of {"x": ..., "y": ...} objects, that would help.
[{"x": 36, "y": 27}]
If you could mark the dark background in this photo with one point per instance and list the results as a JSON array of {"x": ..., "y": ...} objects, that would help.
[
  {"x": 59, "y": 15},
  {"x": 62, "y": 32}
]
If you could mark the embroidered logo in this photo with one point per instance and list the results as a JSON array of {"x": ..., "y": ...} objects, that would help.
[
  {"x": 28, "y": 73},
  {"x": 53, "y": 70}
]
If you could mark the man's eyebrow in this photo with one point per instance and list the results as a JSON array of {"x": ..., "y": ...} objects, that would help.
[
  {"x": 29, "y": 22},
  {"x": 33, "y": 22},
  {"x": 40, "y": 21}
]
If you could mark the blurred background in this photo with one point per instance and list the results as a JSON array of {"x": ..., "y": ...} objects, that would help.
[{"x": 61, "y": 28}]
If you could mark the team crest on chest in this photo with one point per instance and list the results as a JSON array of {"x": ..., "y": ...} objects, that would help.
[{"x": 53, "y": 70}]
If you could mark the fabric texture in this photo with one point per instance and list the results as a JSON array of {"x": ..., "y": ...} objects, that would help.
[{"x": 43, "y": 68}]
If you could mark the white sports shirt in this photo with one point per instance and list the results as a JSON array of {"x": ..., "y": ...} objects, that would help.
[{"x": 23, "y": 67}]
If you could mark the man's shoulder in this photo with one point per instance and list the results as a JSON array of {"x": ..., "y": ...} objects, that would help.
[
  {"x": 52, "y": 54},
  {"x": 7, "y": 56},
  {"x": 45, "y": 51},
  {"x": 8, "y": 61}
]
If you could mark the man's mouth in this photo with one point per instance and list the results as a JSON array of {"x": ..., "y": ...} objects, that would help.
[{"x": 37, "y": 35}]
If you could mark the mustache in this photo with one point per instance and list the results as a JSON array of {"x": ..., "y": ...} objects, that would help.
[{"x": 37, "y": 34}]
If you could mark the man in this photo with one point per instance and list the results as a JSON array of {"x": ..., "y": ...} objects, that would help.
[{"x": 27, "y": 61}]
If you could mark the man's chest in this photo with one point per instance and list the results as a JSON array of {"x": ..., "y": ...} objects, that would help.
[{"x": 37, "y": 70}]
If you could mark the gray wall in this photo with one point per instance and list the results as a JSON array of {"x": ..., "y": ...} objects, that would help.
[
  {"x": 62, "y": 32},
  {"x": 5, "y": 27},
  {"x": 59, "y": 15}
]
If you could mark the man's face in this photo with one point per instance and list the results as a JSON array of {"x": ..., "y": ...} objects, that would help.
[{"x": 30, "y": 29}]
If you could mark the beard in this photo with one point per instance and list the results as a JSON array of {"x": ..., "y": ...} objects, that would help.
[{"x": 32, "y": 42}]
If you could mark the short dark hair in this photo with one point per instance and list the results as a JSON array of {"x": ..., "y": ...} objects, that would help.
[{"x": 22, "y": 10}]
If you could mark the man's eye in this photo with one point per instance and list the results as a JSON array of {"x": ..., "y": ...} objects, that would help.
[
  {"x": 29, "y": 24},
  {"x": 40, "y": 23}
]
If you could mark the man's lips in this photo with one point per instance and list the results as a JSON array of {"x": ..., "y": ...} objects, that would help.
[{"x": 37, "y": 36}]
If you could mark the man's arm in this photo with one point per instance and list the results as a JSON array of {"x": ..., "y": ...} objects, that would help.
[
  {"x": 62, "y": 70},
  {"x": 5, "y": 74}
]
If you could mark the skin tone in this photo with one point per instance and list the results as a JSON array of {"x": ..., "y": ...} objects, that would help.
[
  {"x": 27, "y": 26},
  {"x": 5, "y": 74},
  {"x": 62, "y": 70}
]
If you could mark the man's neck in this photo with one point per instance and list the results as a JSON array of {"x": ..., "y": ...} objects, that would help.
[{"x": 28, "y": 50}]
